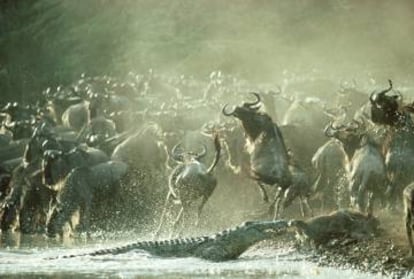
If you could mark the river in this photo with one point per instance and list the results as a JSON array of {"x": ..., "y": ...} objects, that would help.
[{"x": 30, "y": 258}]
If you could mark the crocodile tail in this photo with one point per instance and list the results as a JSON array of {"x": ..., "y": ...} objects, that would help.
[
  {"x": 218, "y": 151},
  {"x": 109, "y": 251}
]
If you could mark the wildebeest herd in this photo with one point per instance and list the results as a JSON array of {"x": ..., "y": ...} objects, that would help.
[{"x": 103, "y": 148}]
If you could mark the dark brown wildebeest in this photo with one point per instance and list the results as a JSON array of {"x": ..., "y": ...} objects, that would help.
[{"x": 269, "y": 159}]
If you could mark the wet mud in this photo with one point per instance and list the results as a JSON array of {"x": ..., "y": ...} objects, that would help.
[{"x": 386, "y": 253}]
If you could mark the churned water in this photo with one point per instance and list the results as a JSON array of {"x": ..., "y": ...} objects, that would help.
[{"x": 33, "y": 261}]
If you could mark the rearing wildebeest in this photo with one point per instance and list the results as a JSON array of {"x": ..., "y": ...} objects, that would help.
[{"x": 269, "y": 160}]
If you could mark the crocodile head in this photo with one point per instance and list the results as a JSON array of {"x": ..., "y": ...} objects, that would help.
[
  {"x": 266, "y": 229},
  {"x": 230, "y": 244}
]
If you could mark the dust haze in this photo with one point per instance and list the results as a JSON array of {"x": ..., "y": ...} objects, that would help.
[{"x": 51, "y": 42}]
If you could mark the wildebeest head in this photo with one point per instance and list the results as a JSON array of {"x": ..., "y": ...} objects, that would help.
[
  {"x": 50, "y": 175},
  {"x": 56, "y": 164},
  {"x": 253, "y": 121},
  {"x": 179, "y": 155},
  {"x": 41, "y": 139},
  {"x": 96, "y": 104},
  {"x": 10, "y": 110},
  {"x": 20, "y": 129},
  {"x": 349, "y": 135},
  {"x": 384, "y": 108}
]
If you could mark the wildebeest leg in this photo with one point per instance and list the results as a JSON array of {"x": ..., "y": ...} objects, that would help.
[
  {"x": 10, "y": 208},
  {"x": 27, "y": 219},
  {"x": 302, "y": 210},
  {"x": 318, "y": 187},
  {"x": 278, "y": 198},
  {"x": 392, "y": 196},
  {"x": 33, "y": 214},
  {"x": 200, "y": 208},
  {"x": 409, "y": 227},
  {"x": 62, "y": 216},
  {"x": 370, "y": 203},
  {"x": 363, "y": 195},
  {"x": 9, "y": 219},
  {"x": 265, "y": 197},
  {"x": 289, "y": 196},
  {"x": 164, "y": 212},
  {"x": 352, "y": 191},
  {"x": 271, "y": 210},
  {"x": 85, "y": 217},
  {"x": 177, "y": 221},
  {"x": 305, "y": 200}
]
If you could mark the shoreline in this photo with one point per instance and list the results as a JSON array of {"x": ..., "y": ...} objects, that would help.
[{"x": 383, "y": 254}]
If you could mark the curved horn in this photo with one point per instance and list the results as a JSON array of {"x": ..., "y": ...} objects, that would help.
[
  {"x": 202, "y": 153},
  {"x": 390, "y": 83},
  {"x": 227, "y": 113},
  {"x": 388, "y": 89},
  {"x": 177, "y": 156},
  {"x": 258, "y": 99}
]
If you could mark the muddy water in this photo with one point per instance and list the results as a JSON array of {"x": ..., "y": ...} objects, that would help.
[{"x": 29, "y": 258}]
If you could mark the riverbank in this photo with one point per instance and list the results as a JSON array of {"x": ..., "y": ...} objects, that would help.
[{"x": 384, "y": 254}]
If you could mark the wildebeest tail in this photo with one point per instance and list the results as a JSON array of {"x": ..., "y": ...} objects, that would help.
[{"x": 218, "y": 151}]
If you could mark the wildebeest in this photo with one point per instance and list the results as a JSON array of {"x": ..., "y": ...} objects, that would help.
[
  {"x": 83, "y": 189},
  {"x": 27, "y": 205},
  {"x": 408, "y": 198},
  {"x": 56, "y": 164},
  {"x": 269, "y": 160},
  {"x": 398, "y": 146},
  {"x": 329, "y": 164},
  {"x": 399, "y": 159},
  {"x": 76, "y": 116},
  {"x": 190, "y": 181},
  {"x": 366, "y": 167},
  {"x": 385, "y": 108}
]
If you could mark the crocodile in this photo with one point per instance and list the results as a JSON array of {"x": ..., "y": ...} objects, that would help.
[{"x": 226, "y": 245}]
